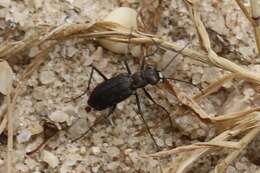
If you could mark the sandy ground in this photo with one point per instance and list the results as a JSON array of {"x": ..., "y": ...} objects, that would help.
[{"x": 119, "y": 144}]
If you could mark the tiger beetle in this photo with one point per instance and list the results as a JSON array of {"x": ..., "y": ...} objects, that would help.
[{"x": 110, "y": 92}]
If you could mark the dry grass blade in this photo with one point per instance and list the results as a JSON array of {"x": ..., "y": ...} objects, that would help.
[
  {"x": 214, "y": 87},
  {"x": 10, "y": 135},
  {"x": 3, "y": 123},
  {"x": 6, "y": 77},
  {"x": 185, "y": 100},
  {"x": 221, "y": 167},
  {"x": 254, "y": 19},
  {"x": 194, "y": 152},
  {"x": 212, "y": 56},
  {"x": 245, "y": 11},
  {"x": 10, "y": 49},
  {"x": 200, "y": 145},
  {"x": 187, "y": 159},
  {"x": 255, "y": 7},
  {"x": 236, "y": 115}
]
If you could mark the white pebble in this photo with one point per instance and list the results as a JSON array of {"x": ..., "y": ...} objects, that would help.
[
  {"x": 49, "y": 158},
  {"x": 231, "y": 169},
  {"x": 24, "y": 136},
  {"x": 79, "y": 127},
  {"x": 113, "y": 165},
  {"x": 59, "y": 116},
  {"x": 95, "y": 150},
  {"x": 113, "y": 152},
  {"x": 47, "y": 77},
  {"x": 82, "y": 150}
]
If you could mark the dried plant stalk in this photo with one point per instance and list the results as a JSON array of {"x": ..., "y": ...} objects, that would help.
[
  {"x": 245, "y": 11},
  {"x": 255, "y": 7},
  {"x": 221, "y": 167},
  {"x": 254, "y": 19},
  {"x": 10, "y": 135},
  {"x": 213, "y": 87}
]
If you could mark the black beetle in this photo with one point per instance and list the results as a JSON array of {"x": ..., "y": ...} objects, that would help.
[{"x": 110, "y": 92}]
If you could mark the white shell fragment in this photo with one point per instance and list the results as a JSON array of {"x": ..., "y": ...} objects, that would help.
[
  {"x": 6, "y": 77},
  {"x": 59, "y": 116},
  {"x": 49, "y": 158},
  {"x": 126, "y": 17}
]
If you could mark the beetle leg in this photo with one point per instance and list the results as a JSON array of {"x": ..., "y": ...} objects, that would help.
[
  {"x": 142, "y": 117},
  {"x": 151, "y": 54},
  {"x": 127, "y": 67},
  {"x": 127, "y": 53},
  {"x": 98, "y": 120},
  {"x": 93, "y": 68},
  {"x": 154, "y": 102}
]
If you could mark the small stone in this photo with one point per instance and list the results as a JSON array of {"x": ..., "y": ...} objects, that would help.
[
  {"x": 47, "y": 77},
  {"x": 95, "y": 169},
  {"x": 249, "y": 92},
  {"x": 71, "y": 51},
  {"x": 59, "y": 116},
  {"x": 127, "y": 151},
  {"x": 79, "y": 127},
  {"x": 169, "y": 141},
  {"x": 5, "y": 3},
  {"x": 24, "y": 136},
  {"x": 241, "y": 166},
  {"x": 112, "y": 165},
  {"x": 95, "y": 150},
  {"x": 113, "y": 152},
  {"x": 118, "y": 141},
  {"x": 33, "y": 51},
  {"x": 82, "y": 150},
  {"x": 134, "y": 157},
  {"x": 39, "y": 93},
  {"x": 1, "y": 162},
  {"x": 20, "y": 167},
  {"x": 49, "y": 158},
  {"x": 231, "y": 169},
  {"x": 159, "y": 142}
]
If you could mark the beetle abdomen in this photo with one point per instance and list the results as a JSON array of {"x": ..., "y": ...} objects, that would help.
[{"x": 111, "y": 92}]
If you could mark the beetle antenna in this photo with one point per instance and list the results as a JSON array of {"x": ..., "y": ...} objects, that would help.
[
  {"x": 167, "y": 65},
  {"x": 179, "y": 80}
]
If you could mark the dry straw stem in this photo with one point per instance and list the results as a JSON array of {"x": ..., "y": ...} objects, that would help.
[
  {"x": 254, "y": 19},
  {"x": 222, "y": 166},
  {"x": 228, "y": 119},
  {"x": 11, "y": 49},
  {"x": 199, "y": 145},
  {"x": 255, "y": 7},
  {"x": 10, "y": 135},
  {"x": 191, "y": 153},
  {"x": 184, "y": 161},
  {"x": 115, "y": 32}
]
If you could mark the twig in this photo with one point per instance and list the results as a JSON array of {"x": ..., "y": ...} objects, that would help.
[{"x": 10, "y": 135}]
